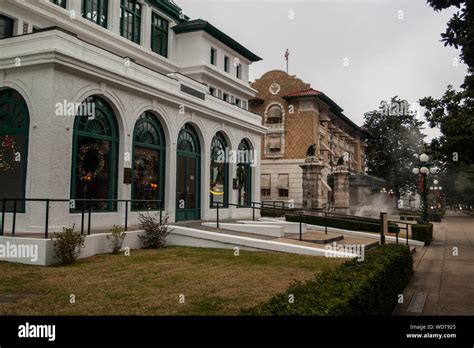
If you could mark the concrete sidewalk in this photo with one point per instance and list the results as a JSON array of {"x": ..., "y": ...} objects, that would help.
[{"x": 443, "y": 283}]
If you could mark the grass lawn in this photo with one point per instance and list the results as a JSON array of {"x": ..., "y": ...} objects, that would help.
[{"x": 150, "y": 282}]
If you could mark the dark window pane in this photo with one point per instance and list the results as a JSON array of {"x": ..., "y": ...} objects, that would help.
[
  {"x": 14, "y": 129},
  {"x": 130, "y": 20},
  {"x": 6, "y": 27},
  {"x": 159, "y": 35},
  {"x": 96, "y": 11},
  {"x": 61, "y": 3}
]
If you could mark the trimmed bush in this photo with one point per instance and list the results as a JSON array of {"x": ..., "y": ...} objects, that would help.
[
  {"x": 68, "y": 245},
  {"x": 422, "y": 232},
  {"x": 155, "y": 233},
  {"x": 268, "y": 212},
  {"x": 353, "y": 288},
  {"x": 353, "y": 223},
  {"x": 435, "y": 216},
  {"x": 116, "y": 239}
]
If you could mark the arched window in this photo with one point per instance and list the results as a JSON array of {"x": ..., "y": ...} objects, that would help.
[
  {"x": 244, "y": 173},
  {"x": 14, "y": 128},
  {"x": 148, "y": 163},
  {"x": 188, "y": 188},
  {"x": 219, "y": 179},
  {"x": 274, "y": 115},
  {"x": 95, "y": 150}
]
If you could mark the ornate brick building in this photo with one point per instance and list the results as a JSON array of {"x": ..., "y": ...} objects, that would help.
[{"x": 298, "y": 116}]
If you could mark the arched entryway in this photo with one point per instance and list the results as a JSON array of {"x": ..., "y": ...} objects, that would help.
[
  {"x": 95, "y": 156},
  {"x": 244, "y": 174},
  {"x": 149, "y": 147},
  {"x": 188, "y": 187},
  {"x": 219, "y": 177},
  {"x": 14, "y": 130}
]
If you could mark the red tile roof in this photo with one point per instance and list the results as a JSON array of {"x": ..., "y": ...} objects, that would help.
[{"x": 304, "y": 93}]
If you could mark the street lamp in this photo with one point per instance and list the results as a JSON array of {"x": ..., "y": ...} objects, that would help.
[{"x": 423, "y": 168}]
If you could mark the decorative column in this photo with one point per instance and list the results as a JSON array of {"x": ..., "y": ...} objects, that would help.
[
  {"x": 341, "y": 190},
  {"x": 311, "y": 181}
]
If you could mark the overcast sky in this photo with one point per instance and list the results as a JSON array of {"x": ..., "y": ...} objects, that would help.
[{"x": 391, "y": 47}]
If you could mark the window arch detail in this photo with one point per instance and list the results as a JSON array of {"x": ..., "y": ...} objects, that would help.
[
  {"x": 95, "y": 156},
  {"x": 14, "y": 134},
  {"x": 219, "y": 176},
  {"x": 149, "y": 162}
]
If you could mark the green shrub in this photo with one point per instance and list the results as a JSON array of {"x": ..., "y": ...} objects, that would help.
[
  {"x": 68, "y": 245},
  {"x": 346, "y": 223},
  {"x": 155, "y": 233},
  {"x": 370, "y": 287},
  {"x": 116, "y": 239},
  {"x": 422, "y": 232},
  {"x": 270, "y": 212},
  {"x": 435, "y": 216}
]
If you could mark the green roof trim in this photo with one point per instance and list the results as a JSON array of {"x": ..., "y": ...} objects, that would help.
[
  {"x": 199, "y": 24},
  {"x": 170, "y": 8}
]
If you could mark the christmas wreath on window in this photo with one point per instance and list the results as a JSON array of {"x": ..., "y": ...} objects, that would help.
[
  {"x": 9, "y": 154},
  {"x": 91, "y": 161}
]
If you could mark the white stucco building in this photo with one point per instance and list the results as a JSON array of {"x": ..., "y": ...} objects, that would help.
[{"x": 160, "y": 95}]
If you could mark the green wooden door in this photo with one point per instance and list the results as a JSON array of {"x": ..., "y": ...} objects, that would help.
[{"x": 188, "y": 177}]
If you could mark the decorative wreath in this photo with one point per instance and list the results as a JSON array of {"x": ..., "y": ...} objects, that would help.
[
  {"x": 8, "y": 153},
  {"x": 84, "y": 155}
]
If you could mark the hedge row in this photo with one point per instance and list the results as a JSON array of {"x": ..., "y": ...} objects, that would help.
[
  {"x": 422, "y": 232},
  {"x": 370, "y": 287},
  {"x": 352, "y": 223}
]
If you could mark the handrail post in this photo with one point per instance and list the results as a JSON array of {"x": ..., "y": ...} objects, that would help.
[
  {"x": 301, "y": 227},
  {"x": 82, "y": 217},
  {"x": 326, "y": 222},
  {"x": 217, "y": 220},
  {"x": 383, "y": 226},
  {"x": 126, "y": 215},
  {"x": 89, "y": 218},
  {"x": 14, "y": 217},
  {"x": 407, "y": 233},
  {"x": 3, "y": 216},
  {"x": 161, "y": 212},
  {"x": 274, "y": 208},
  {"x": 253, "y": 211},
  {"x": 46, "y": 227}
]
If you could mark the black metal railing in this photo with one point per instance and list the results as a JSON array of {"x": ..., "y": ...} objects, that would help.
[
  {"x": 87, "y": 205},
  {"x": 328, "y": 216}
]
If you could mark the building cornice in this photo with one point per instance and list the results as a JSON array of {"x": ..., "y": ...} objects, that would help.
[{"x": 65, "y": 50}]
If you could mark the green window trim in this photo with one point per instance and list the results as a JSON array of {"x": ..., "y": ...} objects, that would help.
[
  {"x": 189, "y": 150},
  {"x": 246, "y": 169},
  {"x": 238, "y": 71},
  {"x": 96, "y": 11},
  {"x": 159, "y": 35},
  {"x": 213, "y": 56},
  {"x": 148, "y": 134},
  {"x": 219, "y": 143},
  {"x": 102, "y": 127},
  {"x": 131, "y": 29},
  {"x": 226, "y": 64},
  {"x": 16, "y": 122},
  {"x": 61, "y": 3}
]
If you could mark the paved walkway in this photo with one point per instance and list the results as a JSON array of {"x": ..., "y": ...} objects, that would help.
[{"x": 442, "y": 280}]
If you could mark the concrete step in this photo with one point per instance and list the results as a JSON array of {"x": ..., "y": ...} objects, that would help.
[{"x": 258, "y": 229}]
